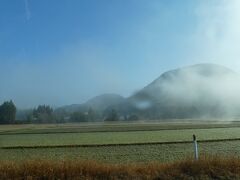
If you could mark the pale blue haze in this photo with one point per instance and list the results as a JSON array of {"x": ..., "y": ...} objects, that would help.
[{"x": 61, "y": 52}]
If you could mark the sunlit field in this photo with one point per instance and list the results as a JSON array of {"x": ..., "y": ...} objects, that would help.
[
  {"x": 118, "y": 142},
  {"x": 112, "y": 90}
]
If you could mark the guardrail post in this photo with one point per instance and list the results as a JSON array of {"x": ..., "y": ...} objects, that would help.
[{"x": 195, "y": 147}]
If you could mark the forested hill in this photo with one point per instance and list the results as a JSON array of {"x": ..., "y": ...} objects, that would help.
[{"x": 198, "y": 91}]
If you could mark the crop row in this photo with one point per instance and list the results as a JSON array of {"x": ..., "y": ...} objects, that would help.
[
  {"x": 124, "y": 154},
  {"x": 97, "y": 138},
  {"x": 114, "y": 127}
]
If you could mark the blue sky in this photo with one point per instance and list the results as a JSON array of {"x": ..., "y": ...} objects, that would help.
[{"x": 61, "y": 52}]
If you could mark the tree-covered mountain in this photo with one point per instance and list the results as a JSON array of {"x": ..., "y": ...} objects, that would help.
[
  {"x": 98, "y": 103},
  {"x": 198, "y": 91},
  {"x": 202, "y": 91}
]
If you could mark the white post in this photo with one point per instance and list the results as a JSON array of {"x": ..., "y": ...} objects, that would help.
[{"x": 195, "y": 147}]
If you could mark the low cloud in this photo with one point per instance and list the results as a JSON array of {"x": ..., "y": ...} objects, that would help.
[
  {"x": 216, "y": 37},
  {"x": 202, "y": 91}
]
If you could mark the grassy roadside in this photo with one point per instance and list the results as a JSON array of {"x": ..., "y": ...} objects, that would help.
[{"x": 205, "y": 168}]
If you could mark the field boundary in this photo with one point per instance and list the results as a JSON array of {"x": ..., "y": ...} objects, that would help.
[
  {"x": 120, "y": 144},
  {"x": 119, "y": 130}
]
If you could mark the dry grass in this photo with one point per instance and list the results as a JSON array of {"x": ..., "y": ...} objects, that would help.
[{"x": 206, "y": 168}]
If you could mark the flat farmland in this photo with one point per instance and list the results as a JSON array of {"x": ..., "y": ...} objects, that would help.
[
  {"x": 117, "y": 142},
  {"x": 115, "y": 126},
  {"x": 98, "y": 138},
  {"x": 124, "y": 154}
]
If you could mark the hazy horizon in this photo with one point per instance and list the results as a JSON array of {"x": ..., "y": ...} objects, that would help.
[{"x": 66, "y": 52}]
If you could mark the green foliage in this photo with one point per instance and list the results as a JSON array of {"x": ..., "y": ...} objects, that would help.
[
  {"x": 91, "y": 115},
  {"x": 133, "y": 117},
  {"x": 78, "y": 117},
  {"x": 7, "y": 112},
  {"x": 112, "y": 116},
  {"x": 42, "y": 109},
  {"x": 43, "y": 114}
]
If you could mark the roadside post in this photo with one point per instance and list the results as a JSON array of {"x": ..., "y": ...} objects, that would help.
[{"x": 195, "y": 147}]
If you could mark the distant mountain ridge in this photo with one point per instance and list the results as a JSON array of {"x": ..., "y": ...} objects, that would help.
[
  {"x": 98, "y": 103},
  {"x": 202, "y": 91}
]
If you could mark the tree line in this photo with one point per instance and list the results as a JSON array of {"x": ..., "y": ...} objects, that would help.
[
  {"x": 8, "y": 112},
  {"x": 46, "y": 114}
]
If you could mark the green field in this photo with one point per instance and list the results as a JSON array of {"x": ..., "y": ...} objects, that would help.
[
  {"x": 124, "y": 154},
  {"x": 20, "y": 142}
]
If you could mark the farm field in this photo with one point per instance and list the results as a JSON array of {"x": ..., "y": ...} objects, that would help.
[
  {"x": 115, "y": 126},
  {"x": 124, "y": 154},
  {"x": 129, "y": 143}
]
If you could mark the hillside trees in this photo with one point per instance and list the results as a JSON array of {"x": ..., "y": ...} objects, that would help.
[
  {"x": 112, "y": 116},
  {"x": 78, "y": 117},
  {"x": 7, "y": 112},
  {"x": 43, "y": 114}
]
